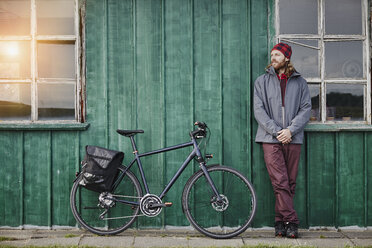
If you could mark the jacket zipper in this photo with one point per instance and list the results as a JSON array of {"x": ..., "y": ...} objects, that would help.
[{"x": 283, "y": 108}]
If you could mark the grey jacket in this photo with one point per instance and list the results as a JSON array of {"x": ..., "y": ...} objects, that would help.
[{"x": 272, "y": 116}]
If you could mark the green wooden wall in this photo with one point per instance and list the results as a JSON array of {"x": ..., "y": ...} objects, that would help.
[{"x": 160, "y": 65}]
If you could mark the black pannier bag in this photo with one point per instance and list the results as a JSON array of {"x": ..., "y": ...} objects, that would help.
[{"x": 99, "y": 168}]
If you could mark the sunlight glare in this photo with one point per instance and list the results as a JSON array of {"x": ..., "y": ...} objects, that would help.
[{"x": 9, "y": 48}]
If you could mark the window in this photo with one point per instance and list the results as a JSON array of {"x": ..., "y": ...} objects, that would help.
[
  {"x": 39, "y": 61},
  {"x": 330, "y": 44}
]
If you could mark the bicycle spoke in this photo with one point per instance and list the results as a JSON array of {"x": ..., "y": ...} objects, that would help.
[
  {"x": 106, "y": 213},
  {"x": 224, "y": 219}
]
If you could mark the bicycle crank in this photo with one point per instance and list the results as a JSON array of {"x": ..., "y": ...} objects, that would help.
[{"x": 151, "y": 205}]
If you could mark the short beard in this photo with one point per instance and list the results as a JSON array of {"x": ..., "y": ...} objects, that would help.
[
  {"x": 289, "y": 68},
  {"x": 280, "y": 66}
]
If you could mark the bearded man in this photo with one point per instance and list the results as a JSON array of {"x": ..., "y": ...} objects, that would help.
[{"x": 282, "y": 108}]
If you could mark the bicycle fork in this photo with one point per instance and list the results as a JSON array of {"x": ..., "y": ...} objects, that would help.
[{"x": 203, "y": 167}]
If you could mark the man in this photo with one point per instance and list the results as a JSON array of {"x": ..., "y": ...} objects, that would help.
[{"x": 282, "y": 108}]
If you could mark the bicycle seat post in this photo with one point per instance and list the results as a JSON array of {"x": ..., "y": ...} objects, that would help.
[
  {"x": 133, "y": 144},
  {"x": 135, "y": 152}
]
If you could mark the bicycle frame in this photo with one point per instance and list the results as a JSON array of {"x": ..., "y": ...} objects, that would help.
[{"x": 194, "y": 153}]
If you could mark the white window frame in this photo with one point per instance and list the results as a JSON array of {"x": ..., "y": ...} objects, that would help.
[
  {"x": 322, "y": 38},
  {"x": 34, "y": 80}
]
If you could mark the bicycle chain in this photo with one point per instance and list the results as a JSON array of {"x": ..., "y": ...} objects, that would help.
[{"x": 123, "y": 217}]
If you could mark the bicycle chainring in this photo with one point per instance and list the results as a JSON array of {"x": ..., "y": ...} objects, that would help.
[
  {"x": 220, "y": 206},
  {"x": 146, "y": 205}
]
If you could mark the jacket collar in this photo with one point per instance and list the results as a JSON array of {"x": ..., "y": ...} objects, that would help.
[{"x": 271, "y": 71}]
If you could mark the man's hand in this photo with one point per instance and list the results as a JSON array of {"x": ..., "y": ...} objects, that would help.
[{"x": 284, "y": 136}]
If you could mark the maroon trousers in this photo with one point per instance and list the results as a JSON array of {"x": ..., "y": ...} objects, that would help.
[{"x": 282, "y": 166}]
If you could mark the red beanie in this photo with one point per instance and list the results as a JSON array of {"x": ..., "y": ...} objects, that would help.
[{"x": 285, "y": 49}]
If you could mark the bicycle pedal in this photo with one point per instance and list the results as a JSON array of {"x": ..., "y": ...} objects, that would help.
[{"x": 168, "y": 204}]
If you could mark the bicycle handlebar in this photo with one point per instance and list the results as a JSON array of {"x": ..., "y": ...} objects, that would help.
[
  {"x": 201, "y": 132},
  {"x": 201, "y": 125}
]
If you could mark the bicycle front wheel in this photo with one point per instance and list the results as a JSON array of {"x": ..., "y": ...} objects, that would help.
[
  {"x": 219, "y": 219},
  {"x": 106, "y": 213}
]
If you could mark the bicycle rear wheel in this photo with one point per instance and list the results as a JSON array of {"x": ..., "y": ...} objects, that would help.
[
  {"x": 88, "y": 207},
  {"x": 215, "y": 219}
]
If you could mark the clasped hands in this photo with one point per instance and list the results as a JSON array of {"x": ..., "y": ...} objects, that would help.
[{"x": 284, "y": 136}]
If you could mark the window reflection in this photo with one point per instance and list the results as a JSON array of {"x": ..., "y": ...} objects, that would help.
[
  {"x": 15, "y": 102},
  {"x": 55, "y": 17},
  {"x": 15, "y": 59},
  {"x": 343, "y": 17},
  {"x": 56, "y": 101},
  {"x": 305, "y": 59},
  {"x": 55, "y": 60},
  {"x": 345, "y": 102},
  {"x": 315, "y": 102},
  {"x": 298, "y": 16},
  {"x": 344, "y": 59},
  {"x": 15, "y": 17}
]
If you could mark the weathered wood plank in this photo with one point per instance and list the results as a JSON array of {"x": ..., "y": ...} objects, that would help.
[
  {"x": 321, "y": 179},
  {"x": 37, "y": 165},
  {"x": 208, "y": 75},
  {"x": 11, "y": 185},
  {"x": 65, "y": 159},
  {"x": 260, "y": 178},
  {"x": 350, "y": 173},
  {"x": 150, "y": 92},
  {"x": 179, "y": 99},
  {"x": 120, "y": 78},
  {"x": 96, "y": 74},
  {"x": 368, "y": 178},
  {"x": 235, "y": 84},
  {"x": 207, "y": 70}
]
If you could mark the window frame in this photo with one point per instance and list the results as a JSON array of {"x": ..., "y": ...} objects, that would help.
[
  {"x": 322, "y": 38},
  {"x": 79, "y": 81}
]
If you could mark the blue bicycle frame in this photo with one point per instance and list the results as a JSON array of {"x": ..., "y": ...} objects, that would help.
[{"x": 194, "y": 153}]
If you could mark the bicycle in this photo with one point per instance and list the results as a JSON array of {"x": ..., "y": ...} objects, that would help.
[{"x": 217, "y": 200}]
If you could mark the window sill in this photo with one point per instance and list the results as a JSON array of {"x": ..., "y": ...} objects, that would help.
[
  {"x": 32, "y": 126},
  {"x": 338, "y": 128}
]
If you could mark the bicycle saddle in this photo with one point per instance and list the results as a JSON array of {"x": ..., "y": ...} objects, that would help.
[{"x": 128, "y": 133}]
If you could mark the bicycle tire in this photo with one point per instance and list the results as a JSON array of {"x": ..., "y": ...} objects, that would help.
[
  {"x": 85, "y": 207},
  {"x": 220, "y": 221}
]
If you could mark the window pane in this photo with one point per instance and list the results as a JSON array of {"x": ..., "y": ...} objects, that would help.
[
  {"x": 15, "y": 59},
  {"x": 315, "y": 102},
  {"x": 344, "y": 59},
  {"x": 56, "y": 60},
  {"x": 298, "y": 16},
  {"x": 15, "y": 102},
  {"x": 305, "y": 59},
  {"x": 343, "y": 17},
  {"x": 56, "y": 102},
  {"x": 15, "y": 17},
  {"x": 345, "y": 102},
  {"x": 55, "y": 17}
]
